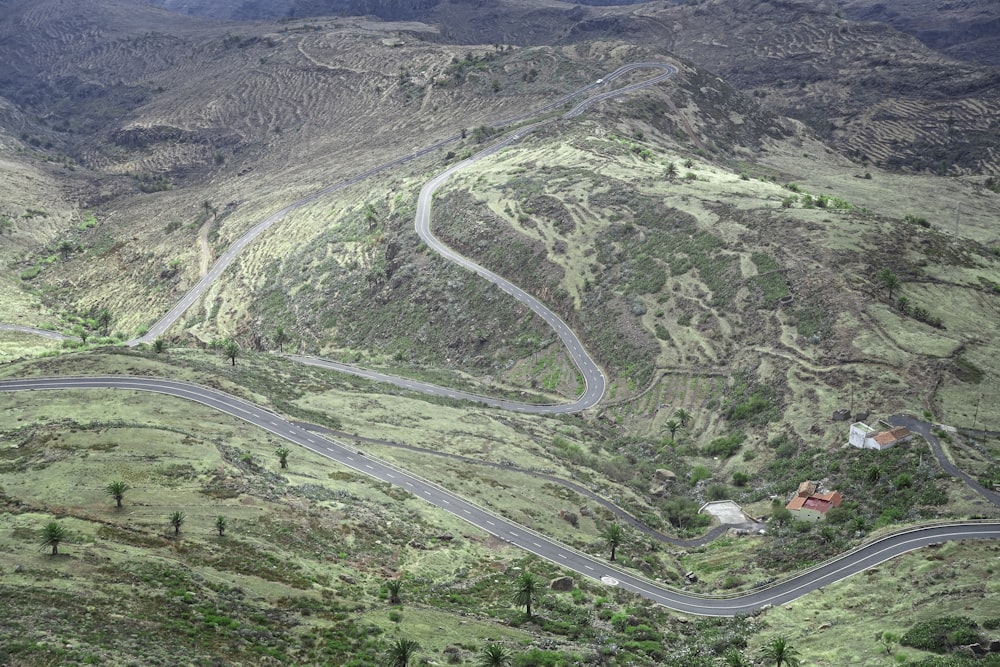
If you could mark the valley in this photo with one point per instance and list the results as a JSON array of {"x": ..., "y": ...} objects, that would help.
[{"x": 722, "y": 264}]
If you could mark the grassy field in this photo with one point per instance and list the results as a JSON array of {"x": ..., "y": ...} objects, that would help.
[
  {"x": 299, "y": 575},
  {"x": 742, "y": 285},
  {"x": 840, "y": 625}
]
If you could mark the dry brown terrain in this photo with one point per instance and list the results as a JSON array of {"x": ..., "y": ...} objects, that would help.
[
  {"x": 714, "y": 254},
  {"x": 879, "y": 95}
]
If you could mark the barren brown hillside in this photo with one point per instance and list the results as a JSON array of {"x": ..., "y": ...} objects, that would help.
[
  {"x": 199, "y": 123},
  {"x": 880, "y": 95},
  {"x": 205, "y": 128},
  {"x": 969, "y": 30}
]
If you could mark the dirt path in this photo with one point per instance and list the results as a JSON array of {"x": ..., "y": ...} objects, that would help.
[{"x": 205, "y": 248}]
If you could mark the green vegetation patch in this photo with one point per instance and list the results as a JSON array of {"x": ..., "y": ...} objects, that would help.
[
  {"x": 769, "y": 279},
  {"x": 750, "y": 402},
  {"x": 941, "y": 635}
]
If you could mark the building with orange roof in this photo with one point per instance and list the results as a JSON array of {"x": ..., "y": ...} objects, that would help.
[
  {"x": 807, "y": 505},
  {"x": 864, "y": 436}
]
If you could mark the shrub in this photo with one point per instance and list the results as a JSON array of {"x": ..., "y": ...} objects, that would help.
[
  {"x": 940, "y": 635},
  {"x": 30, "y": 274},
  {"x": 725, "y": 446},
  {"x": 741, "y": 478},
  {"x": 699, "y": 473},
  {"x": 717, "y": 492},
  {"x": 757, "y": 408},
  {"x": 802, "y": 526}
]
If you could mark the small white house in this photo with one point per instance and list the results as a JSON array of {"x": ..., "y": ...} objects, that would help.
[
  {"x": 860, "y": 432},
  {"x": 864, "y": 436}
]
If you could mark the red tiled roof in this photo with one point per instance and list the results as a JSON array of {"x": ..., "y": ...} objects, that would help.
[
  {"x": 885, "y": 438},
  {"x": 821, "y": 502},
  {"x": 818, "y": 504},
  {"x": 894, "y": 435},
  {"x": 834, "y": 497},
  {"x": 797, "y": 503}
]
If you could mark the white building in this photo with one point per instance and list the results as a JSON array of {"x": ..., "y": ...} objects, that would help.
[{"x": 864, "y": 436}]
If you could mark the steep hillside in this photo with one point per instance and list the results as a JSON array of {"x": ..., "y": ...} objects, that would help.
[
  {"x": 239, "y": 125},
  {"x": 877, "y": 94},
  {"x": 198, "y": 131},
  {"x": 968, "y": 30},
  {"x": 868, "y": 86},
  {"x": 738, "y": 278}
]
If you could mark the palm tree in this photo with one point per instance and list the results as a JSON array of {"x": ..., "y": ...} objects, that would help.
[
  {"x": 280, "y": 338},
  {"x": 117, "y": 491},
  {"x": 401, "y": 652},
  {"x": 672, "y": 425},
  {"x": 52, "y": 534},
  {"x": 734, "y": 658},
  {"x": 781, "y": 653},
  {"x": 283, "y": 453},
  {"x": 104, "y": 319},
  {"x": 177, "y": 520},
  {"x": 231, "y": 349},
  {"x": 527, "y": 588},
  {"x": 65, "y": 248},
  {"x": 888, "y": 280},
  {"x": 393, "y": 586},
  {"x": 159, "y": 345},
  {"x": 683, "y": 416},
  {"x": 220, "y": 525},
  {"x": 494, "y": 655},
  {"x": 613, "y": 535},
  {"x": 888, "y": 640}
]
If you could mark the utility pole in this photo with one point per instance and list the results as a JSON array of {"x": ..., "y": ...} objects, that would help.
[{"x": 976, "y": 415}]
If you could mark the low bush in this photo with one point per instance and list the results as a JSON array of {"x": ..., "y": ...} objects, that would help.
[
  {"x": 726, "y": 446},
  {"x": 940, "y": 635}
]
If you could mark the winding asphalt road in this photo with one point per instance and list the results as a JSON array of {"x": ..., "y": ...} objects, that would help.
[
  {"x": 789, "y": 589},
  {"x": 44, "y": 333},
  {"x": 595, "y": 383},
  {"x": 620, "y": 514},
  {"x": 927, "y": 432}
]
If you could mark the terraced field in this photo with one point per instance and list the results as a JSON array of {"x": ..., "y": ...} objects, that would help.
[
  {"x": 880, "y": 96},
  {"x": 699, "y": 395}
]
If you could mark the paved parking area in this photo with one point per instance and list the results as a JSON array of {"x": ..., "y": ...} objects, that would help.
[{"x": 726, "y": 511}]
